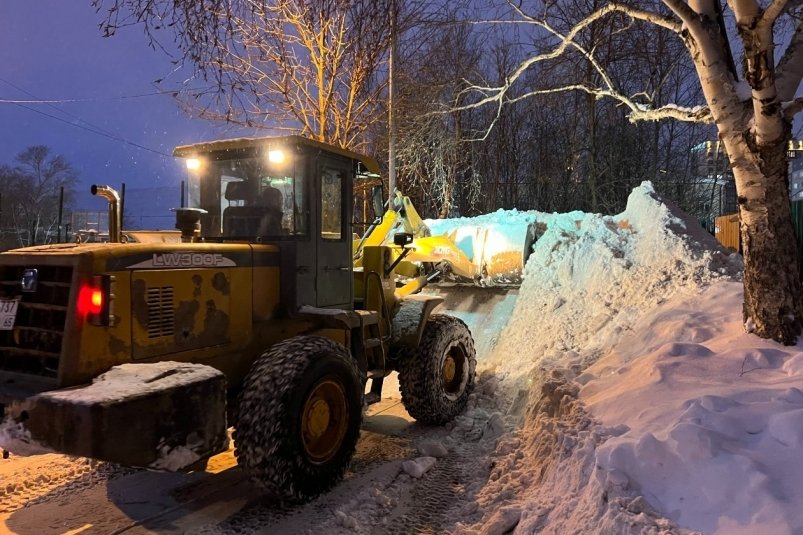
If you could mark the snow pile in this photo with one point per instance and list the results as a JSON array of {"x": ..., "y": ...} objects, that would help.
[
  {"x": 14, "y": 436},
  {"x": 175, "y": 458},
  {"x": 544, "y": 478},
  {"x": 591, "y": 276},
  {"x": 419, "y": 466},
  {"x": 590, "y": 279},
  {"x": 499, "y": 220},
  {"x": 712, "y": 418}
]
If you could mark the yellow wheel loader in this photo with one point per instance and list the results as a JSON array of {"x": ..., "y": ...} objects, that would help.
[{"x": 144, "y": 351}]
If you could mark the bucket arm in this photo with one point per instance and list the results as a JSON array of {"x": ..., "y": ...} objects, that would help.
[
  {"x": 400, "y": 217},
  {"x": 480, "y": 261}
]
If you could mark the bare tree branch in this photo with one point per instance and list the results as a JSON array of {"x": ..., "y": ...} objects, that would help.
[
  {"x": 793, "y": 108},
  {"x": 773, "y": 11},
  {"x": 613, "y": 7},
  {"x": 683, "y": 11},
  {"x": 638, "y": 112},
  {"x": 309, "y": 65},
  {"x": 499, "y": 95},
  {"x": 789, "y": 72}
]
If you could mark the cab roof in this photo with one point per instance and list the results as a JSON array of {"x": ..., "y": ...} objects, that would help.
[{"x": 206, "y": 147}]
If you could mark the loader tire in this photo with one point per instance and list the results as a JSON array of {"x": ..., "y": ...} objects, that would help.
[
  {"x": 436, "y": 379},
  {"x": 300, "y": 412}
]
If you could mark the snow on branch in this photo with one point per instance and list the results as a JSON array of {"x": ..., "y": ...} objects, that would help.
[
  {"x": 638, "y": 112},
  {"x": 499, "y": 95}
]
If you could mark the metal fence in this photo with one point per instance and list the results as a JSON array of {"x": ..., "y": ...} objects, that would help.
[{"x": 797, "y": 222}]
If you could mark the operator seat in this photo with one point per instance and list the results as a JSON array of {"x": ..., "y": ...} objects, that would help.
[
  {"x": 263, "y": 217},
  {"x": 270, "y": 224},
  {"x": 240, "y": 221}
]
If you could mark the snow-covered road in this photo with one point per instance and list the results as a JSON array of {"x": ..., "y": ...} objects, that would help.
[{"x": 55, "y": 494}]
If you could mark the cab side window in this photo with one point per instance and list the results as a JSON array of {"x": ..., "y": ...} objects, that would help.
[{"x": 332, "y": 182}]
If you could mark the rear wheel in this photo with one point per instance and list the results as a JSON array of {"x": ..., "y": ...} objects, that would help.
[
  {"x": 436, "y": 379},
  {"x": 299, "y": 417}
]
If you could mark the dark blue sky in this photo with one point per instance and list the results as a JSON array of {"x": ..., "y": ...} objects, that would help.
[{"x": 54, "y": 50}]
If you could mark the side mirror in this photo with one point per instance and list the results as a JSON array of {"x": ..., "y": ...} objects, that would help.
[
  {"x": 402, "y": 238},
  {"x": 378, "y": 201}
]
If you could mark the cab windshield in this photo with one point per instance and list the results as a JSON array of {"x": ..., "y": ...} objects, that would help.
[{"x": 250, "y": 196}]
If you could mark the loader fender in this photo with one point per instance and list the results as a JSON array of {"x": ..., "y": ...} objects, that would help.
[{"x": 409, "y": 322}]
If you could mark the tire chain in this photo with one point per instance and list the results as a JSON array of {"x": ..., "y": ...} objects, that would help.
[
  {"x": 416, "y": 393},
  {"x": 275, "y": 371}
]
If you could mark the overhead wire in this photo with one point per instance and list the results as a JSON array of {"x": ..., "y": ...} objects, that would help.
[
  {"x": 92, "y": 128},
  {"x": 72, "y": 100},
  {"x": 97, "y": 132},
  {"x": 65, "y": 112}
]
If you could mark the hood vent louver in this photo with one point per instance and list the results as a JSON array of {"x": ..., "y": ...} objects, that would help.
[{"x": 161, "y": 312}]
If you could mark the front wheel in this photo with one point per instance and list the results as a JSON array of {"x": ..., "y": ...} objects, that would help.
[
  {"x": 436, "y": 380},
  {"x": 299, "y": 417}
]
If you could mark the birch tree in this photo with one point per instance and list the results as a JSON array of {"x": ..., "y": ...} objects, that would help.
[{"x": 752, "y": 109}]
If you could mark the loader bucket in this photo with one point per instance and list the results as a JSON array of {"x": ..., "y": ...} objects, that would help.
[
  {"x": 499, "y": 251},
  {"x": 485, "y": 311}
]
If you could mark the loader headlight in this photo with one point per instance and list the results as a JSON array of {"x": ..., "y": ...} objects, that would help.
[
  {"x": 193, "y": 164},
  {"x": 276, "y": 156}
]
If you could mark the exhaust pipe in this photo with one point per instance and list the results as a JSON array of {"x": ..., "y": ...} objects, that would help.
[{"x": 108, "y": 193}]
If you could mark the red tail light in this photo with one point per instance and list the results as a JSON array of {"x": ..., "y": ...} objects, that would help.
[{"x": 94, "y": 298}]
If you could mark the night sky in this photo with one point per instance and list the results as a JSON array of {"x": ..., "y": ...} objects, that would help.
[{"x": 54, "y": 50}]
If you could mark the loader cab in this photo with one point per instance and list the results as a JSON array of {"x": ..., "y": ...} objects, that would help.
[{"x": 291, "y": 192}]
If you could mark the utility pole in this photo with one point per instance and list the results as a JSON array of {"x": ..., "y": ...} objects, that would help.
[
  {"x": 122, "y": 205},
  {"x": 391, "y": 106},
  {"x": 61, "y": 213}
]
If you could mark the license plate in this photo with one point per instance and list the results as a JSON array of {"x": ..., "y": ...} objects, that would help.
[{"x": 8, "y": 313}]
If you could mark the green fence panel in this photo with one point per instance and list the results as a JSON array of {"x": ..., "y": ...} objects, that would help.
[{"x": 797, "y": 222}]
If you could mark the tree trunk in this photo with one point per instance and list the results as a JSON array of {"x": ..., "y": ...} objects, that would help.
[
  {"x": 772, "y": 289},
  {"x": 755, "y": 134}
]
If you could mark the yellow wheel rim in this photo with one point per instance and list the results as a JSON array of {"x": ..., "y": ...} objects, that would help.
[
  {"x": 324, "y": 420},
  {"x": 453, "y": 370}
]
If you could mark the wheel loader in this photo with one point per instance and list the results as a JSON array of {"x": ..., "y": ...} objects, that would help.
[{"x": 144, "y": 352}]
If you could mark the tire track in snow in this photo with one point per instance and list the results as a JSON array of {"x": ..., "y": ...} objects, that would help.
[{"x": 25, "y": 482}]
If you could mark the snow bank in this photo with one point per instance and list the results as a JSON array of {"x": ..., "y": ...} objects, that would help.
[
  {"x": 713, "y": 416},
  {"x": 591, "y": 276}
]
